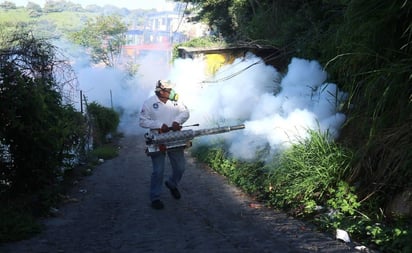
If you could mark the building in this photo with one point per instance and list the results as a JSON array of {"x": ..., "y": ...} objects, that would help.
[{"x": 156, "y": 37}]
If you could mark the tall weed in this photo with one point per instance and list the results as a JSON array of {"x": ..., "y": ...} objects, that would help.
[{"x": 301, "y": 178}]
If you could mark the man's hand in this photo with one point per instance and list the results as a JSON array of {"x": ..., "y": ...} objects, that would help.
[
  {"x": 164, "y": 128},
  {"x": 176, "y": 126}
]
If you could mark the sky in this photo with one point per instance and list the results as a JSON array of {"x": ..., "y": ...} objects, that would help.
[{"x": 129, "y": 4}]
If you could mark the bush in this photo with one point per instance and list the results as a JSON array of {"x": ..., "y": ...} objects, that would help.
[
  {"x": 37, "y": 131},
  {"x": 104, "y": 122}
]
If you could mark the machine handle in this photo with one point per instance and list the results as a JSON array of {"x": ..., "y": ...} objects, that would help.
[{"x": 171, "y": 128}]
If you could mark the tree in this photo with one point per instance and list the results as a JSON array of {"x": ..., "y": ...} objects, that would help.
[
  {"x": 74, "y": 7},
  {"x": 7, "y": 5},
  {"x": 94, "y": 8},
  {"x": 104, "y": 36},
  {"x": 53, "y": 6},
  {"x": 34, "y": 9}
]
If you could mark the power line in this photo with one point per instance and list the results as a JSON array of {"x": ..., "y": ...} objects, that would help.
[
  {"x": 181, "y": 18},
  {"x": 272, "y": 56}
]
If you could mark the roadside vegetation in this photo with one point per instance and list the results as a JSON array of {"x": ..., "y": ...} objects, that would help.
[
  {"x": 45, "y": 143},
  {"x": 201, "y": 42},
  {"x": 365, "y": 47},
  {"x": 42, "y": 137}
]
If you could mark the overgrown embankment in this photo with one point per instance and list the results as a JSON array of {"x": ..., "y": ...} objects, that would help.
[
  {"x": 365, "y": 47},
  {"x": 41, "y": 136}
]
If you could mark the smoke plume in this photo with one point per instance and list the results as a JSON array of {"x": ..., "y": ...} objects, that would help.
[{"x": 277, "y": 109}]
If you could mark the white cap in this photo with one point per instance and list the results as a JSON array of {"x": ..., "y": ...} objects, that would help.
[{"x": 164, "y": 84}]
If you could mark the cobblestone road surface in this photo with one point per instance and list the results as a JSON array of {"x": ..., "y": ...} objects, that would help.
[{"x": 113, "y": 215}]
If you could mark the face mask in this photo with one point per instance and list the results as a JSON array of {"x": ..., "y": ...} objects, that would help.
[{"x": 173, "y": 96}]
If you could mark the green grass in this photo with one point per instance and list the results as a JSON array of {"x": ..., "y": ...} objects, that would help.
[
  {"x": 14, "y": 16},
  {"x": 60, "y": 22},
  {"x": 68, "y": 21},
  {"x": 106, "y": 151}
]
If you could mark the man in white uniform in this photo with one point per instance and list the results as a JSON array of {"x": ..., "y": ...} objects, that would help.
[{"x": 162, "y": 112}]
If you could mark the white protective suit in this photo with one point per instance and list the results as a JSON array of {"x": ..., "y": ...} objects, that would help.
[{"x": 155, "y": 113}]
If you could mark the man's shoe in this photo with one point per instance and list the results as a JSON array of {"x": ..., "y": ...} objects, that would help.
[
  {"x": 157, "y": 204},
  {"x": 173, "y": 190}
]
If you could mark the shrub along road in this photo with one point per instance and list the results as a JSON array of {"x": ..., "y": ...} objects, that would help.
[{"x": 110, "y": 212}]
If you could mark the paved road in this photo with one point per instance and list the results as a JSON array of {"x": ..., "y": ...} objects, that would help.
[{"x": 113, "y": 215}]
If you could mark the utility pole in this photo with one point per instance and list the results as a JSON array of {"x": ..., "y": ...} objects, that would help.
[
  {"x": 81, "y": 101},
  {"x": 111, "y": 99}
]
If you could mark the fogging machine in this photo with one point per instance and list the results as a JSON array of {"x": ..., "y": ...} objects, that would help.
[{"x": 161, "y": 142}]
